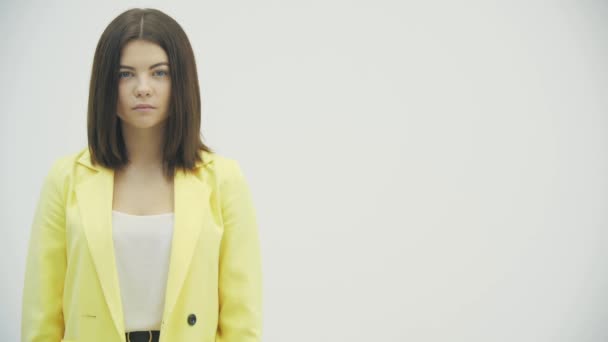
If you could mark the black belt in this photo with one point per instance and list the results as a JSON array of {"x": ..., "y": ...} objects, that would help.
[{"x": 143, "y": 336}]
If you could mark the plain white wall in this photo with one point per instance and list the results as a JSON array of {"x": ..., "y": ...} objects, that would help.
[{"x": 422, "y": 171}]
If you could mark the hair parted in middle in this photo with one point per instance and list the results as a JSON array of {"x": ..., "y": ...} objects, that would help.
[{"x": 183, "y": 139}]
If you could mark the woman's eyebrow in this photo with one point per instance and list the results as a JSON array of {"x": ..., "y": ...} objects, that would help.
[{"x": 151, "y": 66}]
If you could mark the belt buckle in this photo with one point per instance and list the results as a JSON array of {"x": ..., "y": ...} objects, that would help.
[{"x": 129, "y": 336}]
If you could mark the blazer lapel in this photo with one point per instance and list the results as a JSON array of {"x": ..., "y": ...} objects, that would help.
[
  {"x": 94, "y": 196},
  {"x": 191, "y": 194}
]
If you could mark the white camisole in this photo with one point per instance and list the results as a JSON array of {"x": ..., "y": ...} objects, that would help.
[{"x": 142, "y": 248}]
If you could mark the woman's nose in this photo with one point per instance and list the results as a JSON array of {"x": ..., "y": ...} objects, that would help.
[
  {"x": 142, "y": 92},
  {"x": 142, "y": 89}
]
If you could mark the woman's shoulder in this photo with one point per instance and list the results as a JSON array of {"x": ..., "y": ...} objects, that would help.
[
  {"x": 216, "y": 158},
  {"x": 226, "y": 165},
  {"x": 82, "y": 156},
  {"x": 65, "y": 164}
]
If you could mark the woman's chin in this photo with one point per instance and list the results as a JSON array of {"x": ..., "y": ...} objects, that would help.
[{"x": 143, "y": 123}]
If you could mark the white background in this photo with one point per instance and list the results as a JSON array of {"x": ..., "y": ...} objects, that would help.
[{"x": 422, "y": 171}]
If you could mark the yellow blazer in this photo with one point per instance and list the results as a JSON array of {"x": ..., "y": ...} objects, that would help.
[{"x": 214, "y": 288}]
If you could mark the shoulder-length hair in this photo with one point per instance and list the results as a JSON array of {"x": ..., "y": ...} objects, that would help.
[{"x": 183, "y": 139}]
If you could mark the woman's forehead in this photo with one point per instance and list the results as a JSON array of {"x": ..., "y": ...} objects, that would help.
[{"x": 142, "y": 54}]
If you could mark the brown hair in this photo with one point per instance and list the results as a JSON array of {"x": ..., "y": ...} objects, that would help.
[{"x": 182, "y": 131}]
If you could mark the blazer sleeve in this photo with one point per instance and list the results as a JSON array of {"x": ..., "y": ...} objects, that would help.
[
  {"x": 42, "y": 311},
  {"x": 240, "y": 273}
]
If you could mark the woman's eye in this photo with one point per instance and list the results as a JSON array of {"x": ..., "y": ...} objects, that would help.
[
  {"x": 162, "y": 71},
  {"x": 127, "y": 73}
]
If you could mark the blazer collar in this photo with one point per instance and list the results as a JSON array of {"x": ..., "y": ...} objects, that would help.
[
  {"x": 85, "y": 159},
  {"x": 94, "y": 195}
]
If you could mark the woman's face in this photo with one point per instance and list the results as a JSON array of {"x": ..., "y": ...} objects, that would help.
[{"x": 143, "y": 80}]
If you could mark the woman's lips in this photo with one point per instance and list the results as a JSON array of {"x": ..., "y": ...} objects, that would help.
[{"x": 144, "y": 109}]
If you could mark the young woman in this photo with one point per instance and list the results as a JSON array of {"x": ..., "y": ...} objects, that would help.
[{"x": 146, "y": 234}]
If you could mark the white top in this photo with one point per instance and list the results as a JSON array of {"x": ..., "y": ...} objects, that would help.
[{"x": 142, "y": 247}]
